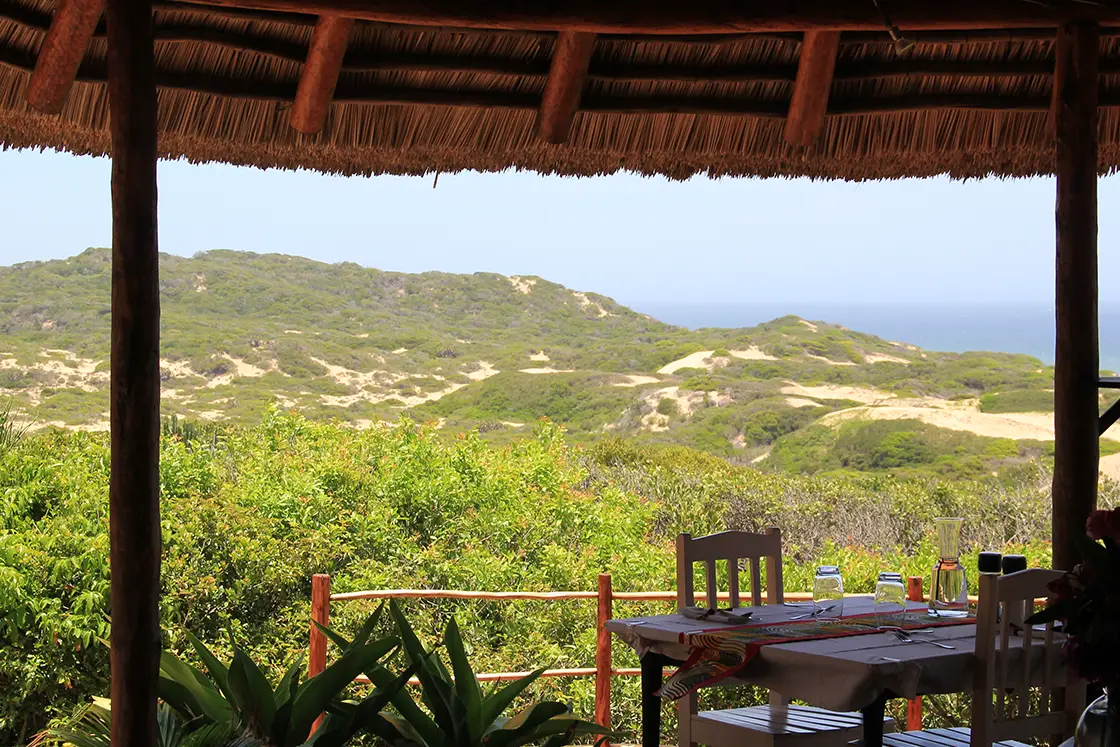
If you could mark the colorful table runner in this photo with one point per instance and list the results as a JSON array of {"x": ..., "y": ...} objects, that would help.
[{"x": 720, "y": 653}]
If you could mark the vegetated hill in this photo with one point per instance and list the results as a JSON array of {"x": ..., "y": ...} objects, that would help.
[{"x": 242, "y": 332}]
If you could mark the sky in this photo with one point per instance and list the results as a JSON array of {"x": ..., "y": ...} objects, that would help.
[{"x": 634, "y": 239}]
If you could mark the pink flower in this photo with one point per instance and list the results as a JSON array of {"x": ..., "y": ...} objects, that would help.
[{"x": 1104, "y": 524}]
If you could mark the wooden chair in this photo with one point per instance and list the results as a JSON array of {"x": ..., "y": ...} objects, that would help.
[
  {"x": 778, "y": 724},
  {"x": 1001, "y": 698}
]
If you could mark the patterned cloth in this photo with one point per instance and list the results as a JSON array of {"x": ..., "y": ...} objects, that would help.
[{"x": 721, "y": 653}]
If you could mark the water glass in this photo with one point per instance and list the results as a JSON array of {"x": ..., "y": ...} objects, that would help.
[
  {"x": 890, "y": 597},
  {"x": 828, "y": 592}
]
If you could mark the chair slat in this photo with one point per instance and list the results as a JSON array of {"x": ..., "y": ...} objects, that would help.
[
  {"x": 756, "y": 581},
  {"x": 1025, "y": 684},
  {"x": 733, "y": 581},
  {"x": 1001, "y": 665},
  {"x": 710, "y": 581},
  {"x": 1048, "y": 663}
]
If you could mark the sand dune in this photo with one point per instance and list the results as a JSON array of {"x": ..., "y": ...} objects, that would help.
[
  {"x": 703, "y": 359},
  {"x": 866, "y": 395}
]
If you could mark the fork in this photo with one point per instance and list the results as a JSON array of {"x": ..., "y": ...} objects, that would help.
[{"x": 903, "y": 636}]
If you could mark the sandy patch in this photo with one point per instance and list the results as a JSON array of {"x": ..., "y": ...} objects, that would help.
[
  {"x": 61, "y": 369},
  {"x": 398, "y": 351},
  {"x": 200, "y": 283},
  {"x": 362, "y": 335},
  {"x": 211, "y": 415},
  {"x": 176, "y": 369},
  {"x": 98, "y": 426},
  {"x": 903, "y": 345},
  {"x": 292, "y": 332},
  {"x": 962, "y": 415},
  {"x": 1110, "y": 466},
  {"x": 587, "y": 303},
  {"x": 883, "y": 358},
  {"x": 546, "y": 370},
  {"x": 484, "y": 371},
  {"x": 511, "y": 424},
  {"x": 241, "y": 369},
  {"x": 540, "y": 357},
  {"x": 829, "y": 361},
  {"x": 801, "y": 402},
  {"x": 866, "y": 395},
  {"x": 812, "y": 327},
  {"x": 761, "y": 457},
  {"x": 686, "y": 403},
  {"x": 753, "y": 353},
  {"x": 630, "y": 380},
  {"x": 703, "y": 359},
  {"x": 699, "y": 359},
  {"x": 522, "y": 285}
]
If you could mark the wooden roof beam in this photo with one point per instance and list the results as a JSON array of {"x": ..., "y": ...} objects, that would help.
[
  {"x": 696, "y": 16},
  {"x": 566, "y": 77},
  {"x": 62, "y": 53},
  {"x": 809, "y": 104},
  {"x": 320, "y": 73}
]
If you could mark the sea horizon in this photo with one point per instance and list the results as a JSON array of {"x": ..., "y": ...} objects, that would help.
[{"x": 949, "y": 327}]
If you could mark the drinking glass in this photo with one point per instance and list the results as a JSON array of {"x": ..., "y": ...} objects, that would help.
[
  {"x": 828, "y": 592},
  {"x": 890, "y": 597}
]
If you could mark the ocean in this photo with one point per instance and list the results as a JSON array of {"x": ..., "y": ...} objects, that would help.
[{"x": 957, "y": 328}]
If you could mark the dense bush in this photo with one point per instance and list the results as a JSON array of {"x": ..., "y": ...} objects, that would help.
[{"x": 251, "y": 514}]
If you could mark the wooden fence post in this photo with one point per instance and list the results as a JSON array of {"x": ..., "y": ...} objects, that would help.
[
  {"x": 320, "y": 613},
  {"x": 603, "y": 653},
  {"x": 914, "y": 707}
]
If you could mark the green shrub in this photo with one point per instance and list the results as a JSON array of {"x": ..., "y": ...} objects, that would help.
[
  {"x": 668, "y": 407},
  {"x": 1026, "y": 400}
]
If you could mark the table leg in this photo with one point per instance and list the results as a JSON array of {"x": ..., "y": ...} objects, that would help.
[
  {"x": 653, "y": 666},
  {"x": 873, "y": 723}
]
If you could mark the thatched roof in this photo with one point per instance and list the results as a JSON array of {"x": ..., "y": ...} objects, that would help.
[{"x": 414, "y": 100}]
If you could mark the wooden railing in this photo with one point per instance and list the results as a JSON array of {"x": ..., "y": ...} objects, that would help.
[{"x": 321, "y": 598}]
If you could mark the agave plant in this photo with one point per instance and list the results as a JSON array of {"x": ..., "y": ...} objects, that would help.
[
  {"x": 234, "y": 705},
  {"x": 458, "y": 713},
  {"x": 90, "y": 727}
]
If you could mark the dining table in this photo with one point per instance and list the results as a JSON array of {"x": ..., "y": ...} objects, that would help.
[{"x": 858, "y": 672}]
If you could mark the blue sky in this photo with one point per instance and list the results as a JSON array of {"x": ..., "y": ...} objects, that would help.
[{"x": 635, "y": 239}]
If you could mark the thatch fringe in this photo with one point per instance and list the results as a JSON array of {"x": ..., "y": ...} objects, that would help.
[{"x": 416, "y": 101}]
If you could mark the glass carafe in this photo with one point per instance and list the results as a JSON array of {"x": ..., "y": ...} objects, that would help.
[{"x": 949, "y": 591}]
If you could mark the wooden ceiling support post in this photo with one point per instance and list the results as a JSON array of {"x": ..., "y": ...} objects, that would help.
[
  {"x": 564, "y": 86},
  {"x": 1076, "y": 356},
  {"x": 134, "y": 518},
  {"x": 320, "y": 73},
  {"x": 62, "y": 53},
  {"x": 809, "y": 103}
]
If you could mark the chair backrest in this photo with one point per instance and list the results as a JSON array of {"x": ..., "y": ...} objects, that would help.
[
  {"x": 731, "y": 547},
  {"x": 1001, "y": 698}
]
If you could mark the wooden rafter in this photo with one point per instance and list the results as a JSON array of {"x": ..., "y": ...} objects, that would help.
[
  {"x": 566, "y": 77},
  {"x": 809, "y": 104},
  {"x": 320, "y": 73},
  {"x": 61, "y": 54},
  {"x": 695, "y": 17}
]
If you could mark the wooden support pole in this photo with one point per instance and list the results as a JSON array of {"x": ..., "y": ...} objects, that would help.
[
  {"x": 134, "y": 520},
  {"x": 320, "y": 613},
  {"x": 809, "y": 104},
  {"x": 914, "y": 593},
  {"x": 1076, "y": 364},
  {"x": 603, "y": 653},
  {"x": 61, "y": 54},
  {"x": 320, "y": 73},
  {"x": 564, "y": 86}
]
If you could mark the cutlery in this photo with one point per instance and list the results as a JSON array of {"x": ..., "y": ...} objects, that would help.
[
  {"x": 814, "y": 613},
  {"x": 903, "y": 636}
]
